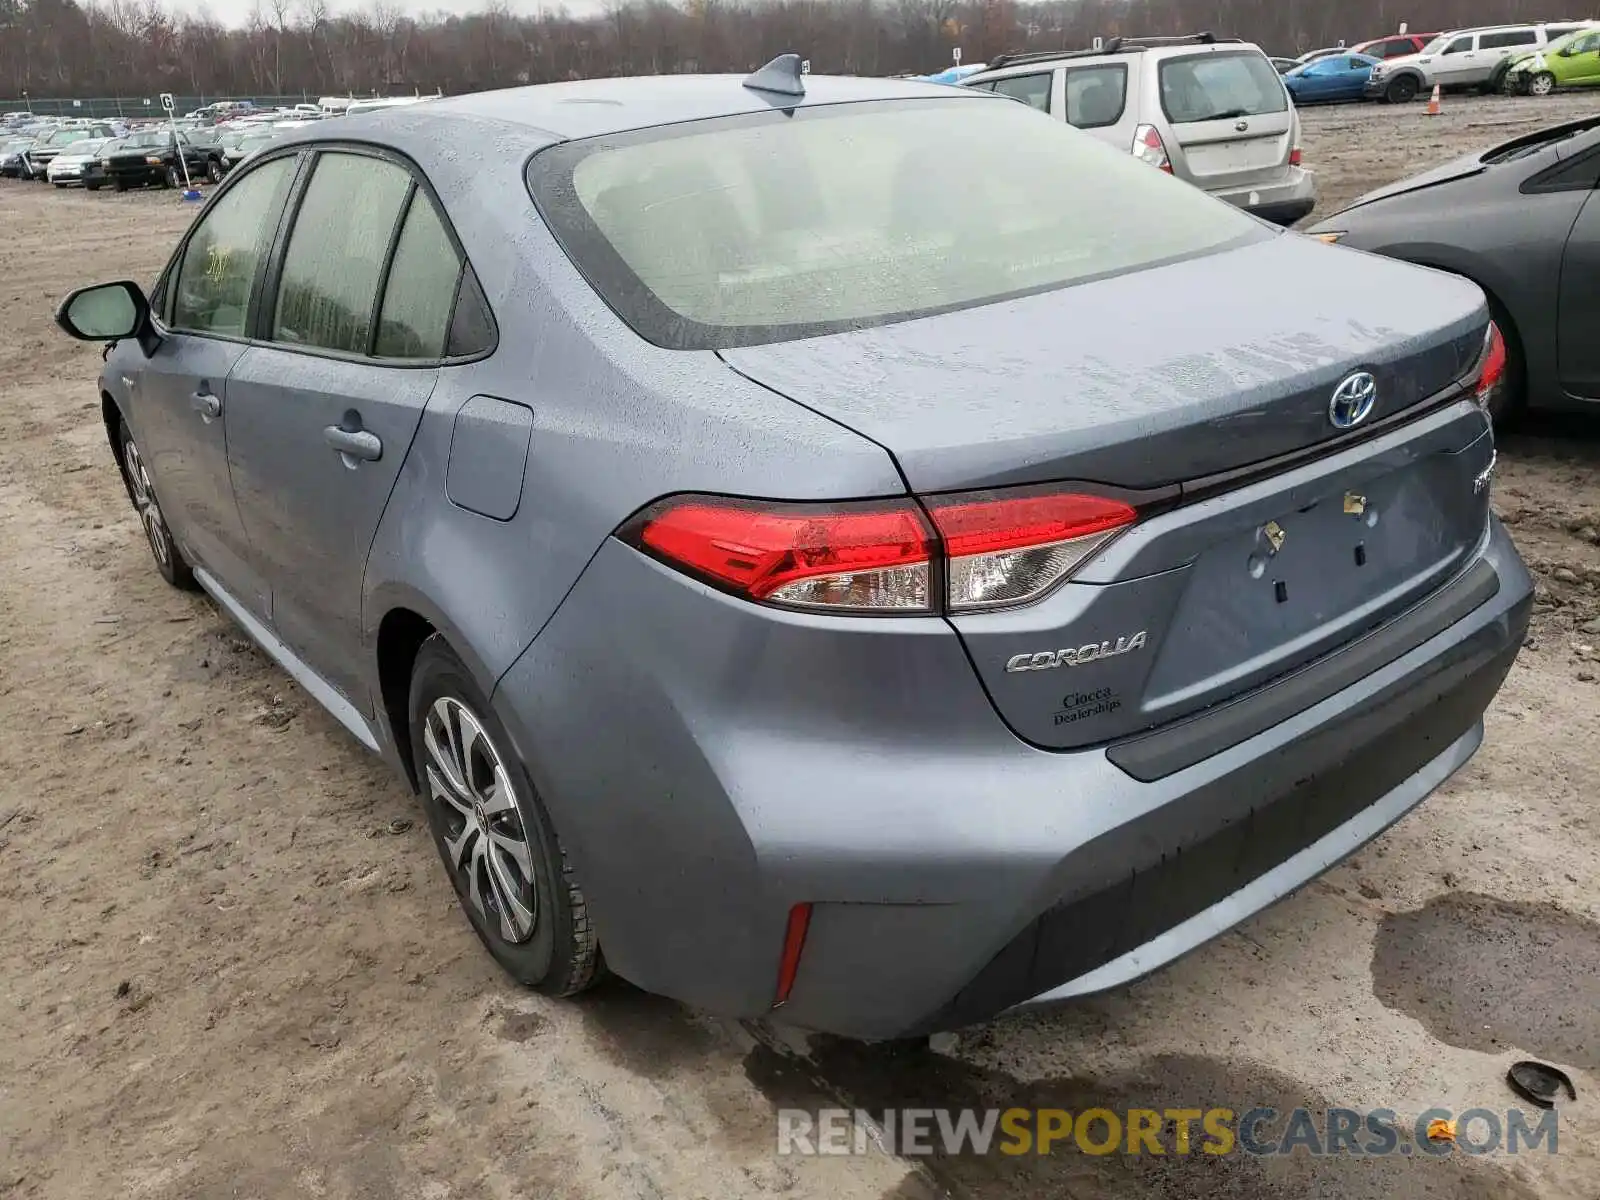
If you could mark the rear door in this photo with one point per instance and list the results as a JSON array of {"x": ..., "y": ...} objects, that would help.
[
  {"x": 1229, "y": 115},
  {"x": 1495, "y": 48},
  {"x": 324, "y": 407},
  {"x": 1578, "y": 349}
]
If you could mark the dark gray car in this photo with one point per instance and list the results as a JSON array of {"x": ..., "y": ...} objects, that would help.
[
  {"x": 1520, "y": 220},
  {"x": 812, "y": 585}
]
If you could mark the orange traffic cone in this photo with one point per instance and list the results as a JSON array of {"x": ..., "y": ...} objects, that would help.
[{"x": 1433, "y": 102}]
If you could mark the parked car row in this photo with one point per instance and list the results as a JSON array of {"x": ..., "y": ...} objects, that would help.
[
  {"x": 1530, "y": 59},
  {"x": 201, "y": 147}
]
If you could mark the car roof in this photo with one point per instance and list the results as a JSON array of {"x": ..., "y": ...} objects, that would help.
[{"x": 596, "y": 107}]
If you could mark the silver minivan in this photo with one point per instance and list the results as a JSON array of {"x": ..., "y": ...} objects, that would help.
[{"x": 1211, "y": 111}]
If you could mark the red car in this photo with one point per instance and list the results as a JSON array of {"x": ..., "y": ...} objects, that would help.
[{"x": 1394, "y": 45}]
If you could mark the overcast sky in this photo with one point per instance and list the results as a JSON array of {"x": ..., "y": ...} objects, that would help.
[{"x": 234, "y": 12}]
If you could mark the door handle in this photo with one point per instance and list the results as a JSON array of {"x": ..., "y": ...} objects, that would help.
[
  {"x": 354, "y": 443},
  {"x": 208, "y": 406}
]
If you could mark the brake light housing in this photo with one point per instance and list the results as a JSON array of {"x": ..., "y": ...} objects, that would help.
[
  {"x": 1491, "y": 380},
  {"x": 1004, "y": 549},
  {"x": 941, "y": 554},
  {"x": 1148, "y": 147},
  {"x": 1294, "y": 157}
]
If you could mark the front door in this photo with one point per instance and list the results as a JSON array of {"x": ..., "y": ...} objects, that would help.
[
  {"x": 178, "y": 401},
  {"x": 323, "y": 409},
  {"x": 1458, "y": 62},
  {"x": 1579, "y": 316}
]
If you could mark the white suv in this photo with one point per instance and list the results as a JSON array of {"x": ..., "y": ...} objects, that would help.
[
  {"x": 1211, "y": 111},
  {"x": 1462, "y": 58}
]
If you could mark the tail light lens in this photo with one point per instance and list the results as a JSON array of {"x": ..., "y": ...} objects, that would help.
[
  {"x": 1003, "y": 550},
  {"x": 872, "y": 557},
  {"x": 991, "y": 550},
  {"x": 1491, "y": 367},
  {"x": 1148, "y": 147}
]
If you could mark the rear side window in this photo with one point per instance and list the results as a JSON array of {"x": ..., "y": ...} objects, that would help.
[
  {"x": 772, "y": 226},
  {"x": 1396, "y": 49},
  {"x": 421, "y": 287},
  {"x": 331, "y": 269},
  {"x": 1507, "y": 37},
  {"x": 1032, "y": 90},
  {"x": 1096, "y": 95},
  {"x": 1215, "y": 87}
]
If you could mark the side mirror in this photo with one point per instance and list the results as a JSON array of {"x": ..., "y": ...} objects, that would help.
[{"x": 108, "y": 312}]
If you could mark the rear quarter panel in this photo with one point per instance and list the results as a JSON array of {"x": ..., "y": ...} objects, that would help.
[{"x": 616, "y": 424}]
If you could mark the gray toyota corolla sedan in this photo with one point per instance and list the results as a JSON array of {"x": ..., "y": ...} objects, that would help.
[{"x": 853, "y": 548}]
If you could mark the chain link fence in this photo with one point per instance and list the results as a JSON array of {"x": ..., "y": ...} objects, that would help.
[{"x": 137, "y": 106}]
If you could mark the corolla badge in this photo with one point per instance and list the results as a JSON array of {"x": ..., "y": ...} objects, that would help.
[
  {"x": 1046, "y": 660},
  {"x": 1353, "y": 400}
]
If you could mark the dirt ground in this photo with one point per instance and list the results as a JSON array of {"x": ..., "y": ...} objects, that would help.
[{"x": 233, "y": 968}]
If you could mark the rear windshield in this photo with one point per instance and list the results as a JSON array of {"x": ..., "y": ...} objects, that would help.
[
  {"x": 1217, "y": 87},
  {"x": 769, "y": 227}
]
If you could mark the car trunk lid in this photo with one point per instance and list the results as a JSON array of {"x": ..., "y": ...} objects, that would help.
[
  {"x": 1244, "y": 570},
  {"x": 1141, "y": 380}
]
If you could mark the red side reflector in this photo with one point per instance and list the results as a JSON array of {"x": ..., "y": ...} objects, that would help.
[
  {"x": 1294, "y": 157},
  {"x": 794, "y": 942}
]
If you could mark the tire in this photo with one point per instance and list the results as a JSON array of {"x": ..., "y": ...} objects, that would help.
[
  {"x": 119, "y": 185},
  {"x": 171, "y": 178},
  {"x": 170, "y": 562},
  {"x": 91, "y": 187},
  {"x": 1541, "y": 83},
  {"x": 1402, "y": 89},
  {"x": 213, "y": 170},
  {"x": 537, "y": 929}
]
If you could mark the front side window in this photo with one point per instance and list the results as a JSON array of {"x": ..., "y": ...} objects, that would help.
[
  {"x": 219, "y": 265},
  {"x": 1216, "y": 87},
  {"x": 329, "y": 286},
  {"x": 1460, "y": 46},
  {"x": 773, "y": 226},
  {"x": 1096, "y": 95},
  {"x": 1032, "y": 90}
]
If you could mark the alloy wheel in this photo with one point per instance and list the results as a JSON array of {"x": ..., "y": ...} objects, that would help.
[
  {"x": 1542, "y": 84},
  {"x": 144, "y": 503},
  {"x": 485, "y": 841}
]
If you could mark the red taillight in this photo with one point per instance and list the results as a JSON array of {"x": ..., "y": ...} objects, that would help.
[
  {"x": 794, "y": 941},
  {"x": 1294, "y": 157},
  {"x": 872, "y": 556},
  {"x": 1148, "y": 147},
  {"x": 1491, "y": 367},
  {"x": 1003, "y": 550}
]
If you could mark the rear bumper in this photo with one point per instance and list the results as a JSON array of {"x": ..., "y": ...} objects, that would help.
[
  {"x": 708, "y": 774},
  {"x": 1283, "y": 202}
]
